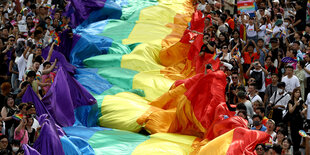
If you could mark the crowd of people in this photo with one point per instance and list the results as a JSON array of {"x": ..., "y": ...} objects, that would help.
[
  {"x": 266, "y": 56},
  {"x": 26, "y": 28}
]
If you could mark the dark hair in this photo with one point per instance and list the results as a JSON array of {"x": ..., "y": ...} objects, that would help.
[
  {"x": 241, "y": 95},
  {"x": 288, "y": 66},
  {"x": 227, "y": 12},
  {"x": 46, "y": 63},
  {"x": 24, "y": 84},
  {"x": 260, "y": 117},
  {"x": 254, "y": 85},
  {"x": 21, "y": 106},
  {"x": 277, "y": 148},
  {"x": 302, "y": 63},
  {"x": 235, "y": 30},
  {"x": 274, "y": 74},
  {"x": 3, "y": 136},
  {"x": 38, "y": 59},
  {"x": 31, "y": 74},
  {"x": 37, "y": 32},
  {"x": 6, "y": 100},
  {"x": 308, "y": 25},
  {"x": 15, "y": 142},
  {"x": 260, "y": 39},
  {"x": 297, "y": 42},
  {"x": 262, "y": 109},
  {"x": 241, "y": 106},
  {"x": 30, "y": 105},
  {"x": 281, "y": 85},
  {"x": 264, "y": 19},
  {"x": 289, "y": 141},
  {"x": 263, "y": 146},
  {"x": 241, "y": 88},
  {"x": 281, "y": 130},
  {"x": 47, "y": 18}
]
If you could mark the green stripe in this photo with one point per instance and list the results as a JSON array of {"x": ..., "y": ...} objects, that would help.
[
  {"x": 120, "y": 77},
  {"x": 103, "y": 61},
  {"x": 115, "y": 142},
  {"x": 120, "y": 29}
]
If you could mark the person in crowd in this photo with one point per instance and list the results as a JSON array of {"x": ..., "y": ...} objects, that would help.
[
  {"x": 15, "y": 145},
  {"x": 248, "y": 55},
  {"x": 261, "y": 111},
  {"x": 258, "y": 73},
  {"x": 7, "y": 113},
  {"x": 270, "y": 129},
  {"x": 257, "y": 123},
  {"x": 242, "y": 99},
  {"x": 296, "y": 108},
  {"x": 253, "y": 95},
  {"x": 31, "y": 131},
  {"x": 300, "y": 74},
  {"x": 278, "y": 102},
  {"x": 286, "y": 146},
  {"x": 20, "y": 132},
  {"x": 31, "y": 112},
  {"x": 232, "y": 88},
  {"x": 290, "y": 80},
  {"x": 208, "y": 45},
  {"x": 271, "y": 88},
  {"x": 307, "y": 74},
  {"x": 260, "y": 149},
  {"x": 4, "y": 143},
  {"x": 5, "y": 91},
  {"x": 281, "y": 134}
]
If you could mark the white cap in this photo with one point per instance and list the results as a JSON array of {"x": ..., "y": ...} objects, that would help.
[{"x": 275, "y": 1}]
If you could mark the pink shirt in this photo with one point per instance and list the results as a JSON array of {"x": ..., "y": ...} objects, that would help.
[{"x": 19, "y": 135}]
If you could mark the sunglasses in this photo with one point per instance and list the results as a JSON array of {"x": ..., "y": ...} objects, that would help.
[{"x": 235, "y": 77}]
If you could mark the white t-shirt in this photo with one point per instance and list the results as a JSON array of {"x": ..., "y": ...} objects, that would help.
[
  {"x": 307, "y": 67},
  {"x": 21, "y": 64},
  {"x": 249, "y": 108},
  {"x": 308, "y": 104},
  {"x": 284, "y": 100},
  {"x": 277, "y": 29},
  {"x": 250, "y": 30},
  {"x": 255, "y": 98},
  {"x": 290, "y": 83},
  {"x": 262, "y": 32}
]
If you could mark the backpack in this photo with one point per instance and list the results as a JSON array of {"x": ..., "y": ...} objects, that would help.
[{"x": 258, "y": 76}]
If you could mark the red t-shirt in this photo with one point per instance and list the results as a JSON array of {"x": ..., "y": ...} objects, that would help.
[{"x": 249, "y": 58}]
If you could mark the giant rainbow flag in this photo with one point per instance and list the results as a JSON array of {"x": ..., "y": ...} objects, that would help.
[{"x": 130, "y": 81}]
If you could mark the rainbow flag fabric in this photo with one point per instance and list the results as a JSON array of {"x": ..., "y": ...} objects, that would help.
[
  {"x": 130, "y": 81},
  {"x": 246, "y": 7}
]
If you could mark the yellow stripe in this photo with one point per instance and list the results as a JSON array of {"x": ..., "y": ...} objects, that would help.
[
  {"x": 166, "y": 143},
  {"x": 219, "y": 145},
  {"x": 122, "y": 110}
]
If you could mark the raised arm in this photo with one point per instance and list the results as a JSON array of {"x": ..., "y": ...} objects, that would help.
[
  {"x": 50, "y": 52},
  {"x": 46, "y": 71}
]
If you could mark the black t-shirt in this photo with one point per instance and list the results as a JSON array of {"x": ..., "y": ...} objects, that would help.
[
  {"x": 296, "y": 116},
  {"x": 205, "y": 49},
  {"x": 301, "y": 15}
]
